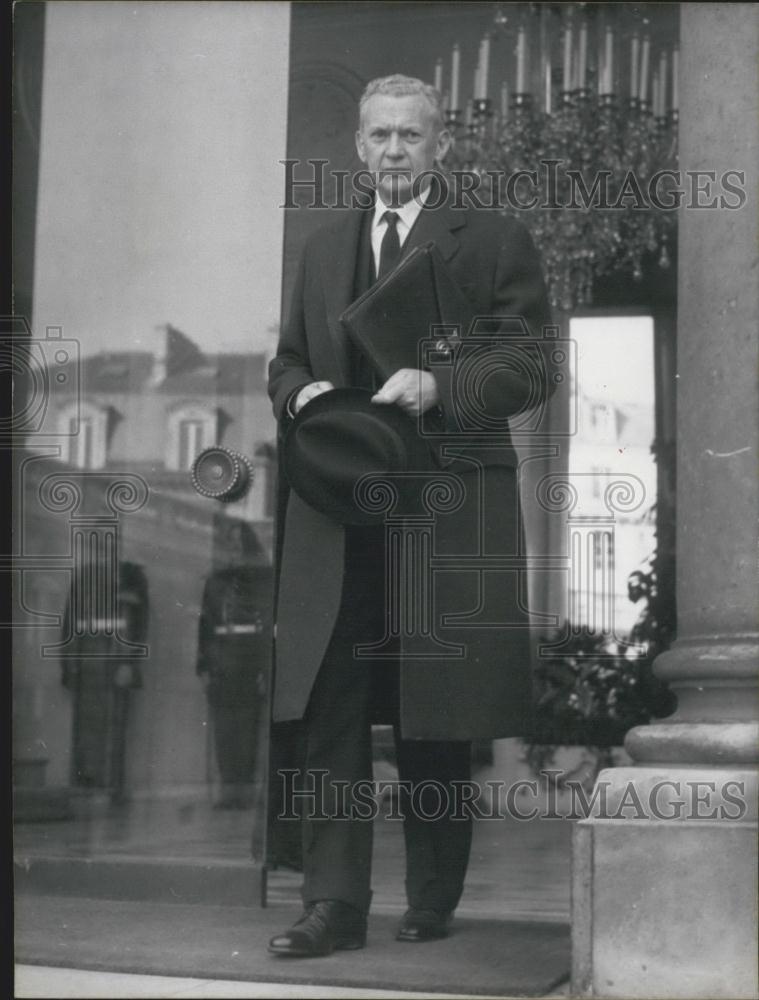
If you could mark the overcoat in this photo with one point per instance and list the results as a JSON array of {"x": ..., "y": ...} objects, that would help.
[{"x": 477, "y": 684}]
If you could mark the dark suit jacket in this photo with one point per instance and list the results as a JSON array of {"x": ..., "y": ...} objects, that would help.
[{"x": 494, "y": 262}]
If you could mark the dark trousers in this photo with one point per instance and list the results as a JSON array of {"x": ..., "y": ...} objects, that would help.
[{"x": 337, "y": 849}]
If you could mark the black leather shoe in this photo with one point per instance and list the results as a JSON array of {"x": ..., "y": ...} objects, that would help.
[
  {"x": 423, "y": 925},
  {"x": 326, "y": 926}
]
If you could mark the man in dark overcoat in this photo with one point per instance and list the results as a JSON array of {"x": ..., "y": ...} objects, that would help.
[{"x": 331, "y": 594}]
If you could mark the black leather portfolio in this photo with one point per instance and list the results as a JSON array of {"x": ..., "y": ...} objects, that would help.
[{"x": 403, "y": 308}]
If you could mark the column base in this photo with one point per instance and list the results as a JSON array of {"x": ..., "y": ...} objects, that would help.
[{"x": 666, "y": 907}]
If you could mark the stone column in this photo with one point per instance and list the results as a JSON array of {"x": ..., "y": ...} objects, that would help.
[{"x": 664, "y": 879}]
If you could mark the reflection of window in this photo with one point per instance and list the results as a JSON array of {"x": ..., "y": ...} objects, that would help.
[
  {"x": 267, "y": 455},
  {"x": 80, "y": 447},
  {"x": 86, "y": 435},
  {"x": 191, "y": 428},
  {"x": 190, "y": 441},
  {"x": 603, "y": 549}
]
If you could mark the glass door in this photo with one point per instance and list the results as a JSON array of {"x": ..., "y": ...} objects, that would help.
[{"x": 150, "y": 263}]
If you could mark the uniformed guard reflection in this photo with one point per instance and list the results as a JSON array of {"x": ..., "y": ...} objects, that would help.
[
  {"x": 234, "y": 646},
  {"x": 102, "y": 676}
]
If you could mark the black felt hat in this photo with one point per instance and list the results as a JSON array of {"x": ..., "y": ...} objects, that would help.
[{"x": 338, "y": 439}]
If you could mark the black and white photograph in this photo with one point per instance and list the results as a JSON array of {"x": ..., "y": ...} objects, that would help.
[{"x": 383, "y": 461}]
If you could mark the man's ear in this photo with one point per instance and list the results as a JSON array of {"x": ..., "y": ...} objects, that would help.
[
  {"x": 360, "y": 147},
  {"x": 443, "y": 144}
]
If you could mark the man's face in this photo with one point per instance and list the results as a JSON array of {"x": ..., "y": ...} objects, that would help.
[{"x": 398, "y": 140}]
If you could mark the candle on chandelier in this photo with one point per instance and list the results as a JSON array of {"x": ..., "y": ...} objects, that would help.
[
  {"x": 662, "y": 83},
  {"x": 484, "y": 65},
  {"x": 655, "y": 94},
  {"x": 476, "y": 85},
  {"x": 566, "y": 81},
  {"x": 439, "y": 75},
  {"x": 455, "y": 65},
  {"x": 548, "y": 89},
  {"x": 600, "y": 58},
  {"x": 521, "y": 60},
  {"x": 643, "y": 92},
  {"x": 582, "y": 57},
  {"x": 609, "y": 61},
  {"x": 675, "y": 79},
  {"x": 634, "y": 55}
]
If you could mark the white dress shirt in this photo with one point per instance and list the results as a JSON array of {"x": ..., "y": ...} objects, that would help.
[{"x": 407, "y": 215}]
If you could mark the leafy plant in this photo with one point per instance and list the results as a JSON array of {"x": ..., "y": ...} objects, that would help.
[{"x": 594, "y": 688}]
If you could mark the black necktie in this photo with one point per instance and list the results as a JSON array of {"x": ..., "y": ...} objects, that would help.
[{"x": 390, "y": 251}]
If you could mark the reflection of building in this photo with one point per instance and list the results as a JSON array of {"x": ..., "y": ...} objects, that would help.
[
  {"x": 140, "y": 412},
  {"x": 139, "y": 419}
]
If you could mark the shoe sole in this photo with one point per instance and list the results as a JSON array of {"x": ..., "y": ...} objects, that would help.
[{"x": 420, "y": 939}]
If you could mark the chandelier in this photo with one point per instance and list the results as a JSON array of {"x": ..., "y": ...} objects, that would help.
[{"x": 582, "y": 141}]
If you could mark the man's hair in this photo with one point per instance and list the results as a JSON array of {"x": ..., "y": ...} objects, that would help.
[{"x": 404, "y": 86}]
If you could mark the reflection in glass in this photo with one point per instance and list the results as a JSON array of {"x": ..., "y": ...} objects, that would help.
[
  {"x": 135, "y": 751},
  {"x": 613, "y": 396}
]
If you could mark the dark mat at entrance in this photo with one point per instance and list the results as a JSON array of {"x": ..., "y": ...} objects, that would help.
[{"x": 488, "y": 957}]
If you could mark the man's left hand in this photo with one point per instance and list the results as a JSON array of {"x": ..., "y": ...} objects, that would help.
[{"x": 413, "y": 390}]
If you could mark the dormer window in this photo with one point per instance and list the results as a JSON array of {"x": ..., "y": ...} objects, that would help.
[
  {"x": 84, "y": 428},
  {"x": 190, "y": 441},
  {"x": 192, "y": 427}
]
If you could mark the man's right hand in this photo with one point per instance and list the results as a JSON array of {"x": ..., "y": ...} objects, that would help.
[{"x": 308, "y": 392}]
